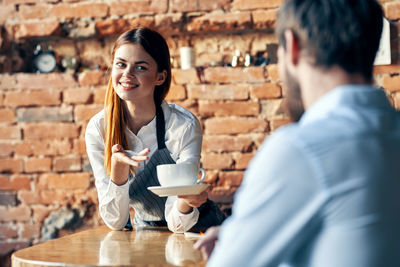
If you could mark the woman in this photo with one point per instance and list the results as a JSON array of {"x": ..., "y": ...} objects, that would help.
[{"x": 137, "y": 118}]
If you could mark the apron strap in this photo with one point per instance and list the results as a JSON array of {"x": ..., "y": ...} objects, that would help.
[{"x": 160, "y": 126}]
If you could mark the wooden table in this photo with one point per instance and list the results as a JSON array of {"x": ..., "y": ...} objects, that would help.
[{"x": 104, "y": 247}]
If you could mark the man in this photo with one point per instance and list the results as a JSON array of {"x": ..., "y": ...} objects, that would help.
[{"x": 323, "y": 191}]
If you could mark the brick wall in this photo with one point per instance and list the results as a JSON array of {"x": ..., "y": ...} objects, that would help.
[{"x": 46, "y": 186}]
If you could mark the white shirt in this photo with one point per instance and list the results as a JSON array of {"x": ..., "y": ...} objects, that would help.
[
  {"x": 323, "y": 192},
  {"x": 183, "y": 138}
]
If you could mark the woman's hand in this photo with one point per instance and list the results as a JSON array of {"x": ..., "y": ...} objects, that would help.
[
  {"x": 207, "y": 242},
  {"x": 187, "y": 203},
  {"x": 121, "y": 161}
]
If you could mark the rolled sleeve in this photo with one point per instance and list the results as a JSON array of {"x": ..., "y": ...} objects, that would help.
[{"x": 177, "y": 221}]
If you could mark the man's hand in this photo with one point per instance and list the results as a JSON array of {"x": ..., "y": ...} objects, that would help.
[{"x": 207, "y": 242}]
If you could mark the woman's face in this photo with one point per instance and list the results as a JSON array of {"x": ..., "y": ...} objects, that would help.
[{"x": 134, "y": 74}]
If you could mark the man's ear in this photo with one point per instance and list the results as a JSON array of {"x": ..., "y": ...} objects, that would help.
[
  {"x": 292, "y": 47},
  {"x": 161, "y": 76}
]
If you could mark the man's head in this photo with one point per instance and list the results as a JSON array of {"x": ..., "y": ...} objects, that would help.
[{"x": 332, "y": 33}]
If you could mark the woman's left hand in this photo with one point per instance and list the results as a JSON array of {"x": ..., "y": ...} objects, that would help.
[{"x": 187, "y": 203}]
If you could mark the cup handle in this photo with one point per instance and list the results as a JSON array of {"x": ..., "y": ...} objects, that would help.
[{"x": 203, "y": 175}]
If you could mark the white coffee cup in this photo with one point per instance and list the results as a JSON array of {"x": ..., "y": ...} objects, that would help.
[{"x": 180, "y": 174}]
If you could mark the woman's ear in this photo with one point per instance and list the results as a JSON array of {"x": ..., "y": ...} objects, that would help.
[{"x": 161, "y": 77}]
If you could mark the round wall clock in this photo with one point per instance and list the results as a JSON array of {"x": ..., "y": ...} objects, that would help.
[{"x": 44, "y": 61}]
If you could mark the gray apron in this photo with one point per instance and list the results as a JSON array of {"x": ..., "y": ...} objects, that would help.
[{"x": 149, "y": 208}]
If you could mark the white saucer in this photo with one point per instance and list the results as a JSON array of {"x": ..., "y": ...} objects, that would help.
[{"x": 178, "y": 190}]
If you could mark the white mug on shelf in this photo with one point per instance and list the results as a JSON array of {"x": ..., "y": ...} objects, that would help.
[{"x": 187, "y": 57}]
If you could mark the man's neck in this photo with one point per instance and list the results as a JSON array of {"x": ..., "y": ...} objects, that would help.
[{"x": 316, "y": 82}]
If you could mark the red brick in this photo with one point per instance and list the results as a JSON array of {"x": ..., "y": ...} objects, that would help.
[
  {"x": 148, "y": 7},
  {"x": 118, "y": 26},
  {"x": 6, "y": 12},
  {"x": 8, "y": 231},
  {"x": 10, "y": 132},
  {"x": 266, "y": 91},
  {"x": 176, "y": 92},
  {"x": 8, "y": 198},
  {"x": 273, "y": 72},
  {"x": 213, "y": 5},
  {"x": 10, "y": 165},
  {"x": 7, "y": 247},
  {"x": 234, "y": 125},
  {"x": 276, "y": 123},
  {"x": 217, "y": 161},
  {"x": 185, "y": 76},
  {"x": 30, "y": 231},
  {"x": 7, "y": 81},
  {"x": 79, "y": 147},
  {"x": 264, "y": 19},
  {"x": 87, "y": 78},
  {"x": 218, "y": 92},
  {"x": 20, "y": 1},
  {"x": 65, "y": 181},
  {"x": 85, "y": 112},
  {"x": 15, "y": 182},
  {"x": 169, "y": 24},
  {"x": 37, "y": 11},
  {"x": 272, "y": 108},
  {"x": 386, "y": 69},
  {"x": 54, "y": 197},
  {"x": 46, "y": 81},
  {"x": 226, "y": 143},
  {"x": 37, "y": 165},
  {"x": 231, "y": 178},
  {"x": 20, "y": 213},
  {"x": 31, "y": 114},
  {"x": 37, "y": 29},
  {"x": 255, "y": 4},
  {"x": 1, "y": 100},
  {"x": 391, "y": 83},
  {"x": 242, "y": 160},
  {"x": 67, "y": 164},
  {"x": 234, "y": 75},
  {"x": 51, "y": 130},
  {"x": 183, "y": 6},
  {"x": 99, "y": 96},
  {"x": 77, "y": 96},
  {"x": 222, "y": 194},
  {"x": 220, "y": 22},
  {"x": 43, "y": 147},
  {"x": 392, "y": 10},
  {"x": 230, "y": 108},
  {"x": 79, "y": 10},
  {"x": 7, "y": 115},
  {"x": 6, "y": 149},
  {"x": 33, "y": 98},
  {"x": 28, "y": 197},
  {"x": 40, "y": 213}
]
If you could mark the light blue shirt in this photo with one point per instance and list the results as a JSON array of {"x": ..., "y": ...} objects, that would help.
[{"x": 323, "y": 192}]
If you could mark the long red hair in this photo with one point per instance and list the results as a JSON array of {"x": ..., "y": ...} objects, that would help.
[{"x": 115, "y": 119}]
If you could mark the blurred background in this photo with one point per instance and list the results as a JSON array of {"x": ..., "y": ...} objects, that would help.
[{"x": 54, "y": 61}]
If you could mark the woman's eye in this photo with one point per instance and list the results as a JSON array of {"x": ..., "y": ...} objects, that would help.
[
  {"x": 120, "y": 64},
  {"x": 141, "y": 68}
]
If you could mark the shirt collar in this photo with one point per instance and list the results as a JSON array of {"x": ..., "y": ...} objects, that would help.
[{"x": 350, "y": 95}]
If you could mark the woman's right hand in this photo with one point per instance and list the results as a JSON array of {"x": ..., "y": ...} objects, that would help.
[{"x": 121, "y": 161}]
